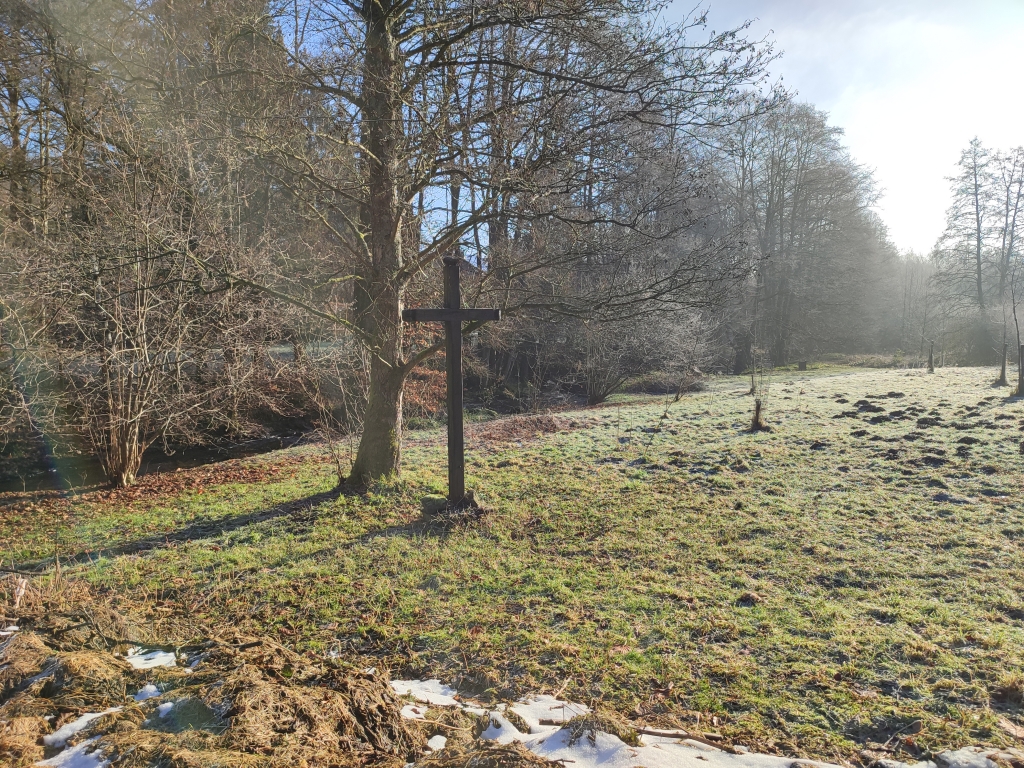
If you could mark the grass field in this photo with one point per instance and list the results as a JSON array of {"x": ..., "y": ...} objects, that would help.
[{"x": 853, "y": 577}]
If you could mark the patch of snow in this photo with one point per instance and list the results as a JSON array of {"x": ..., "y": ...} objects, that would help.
[
  {"x": 165, "y": 709},
  {"x": 533, "y": 709},
  {"x": 77, "y": 757},
  {"x": 60, "y": 737},
  {"x": 9, "y": 630},
  {"x": 968, "y": 757},
  {"x": 887, "y": 763},
  {"x": 428, "y": 691},
  {"x": 437, "y": 742},
  {"x": 606, "y": 751},
  {"x": 148, "y": 691},
  {"x": 140, "y": 659},
  {"x": 503, "y": 732},
  {"x": 609, "y": 751}
]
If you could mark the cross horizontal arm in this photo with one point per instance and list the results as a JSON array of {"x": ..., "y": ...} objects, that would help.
[{"x": 449, "y": 315}]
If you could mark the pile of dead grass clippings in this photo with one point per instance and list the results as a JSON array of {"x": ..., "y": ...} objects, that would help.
[
  {"x": 522, "y": 427},
  {"x": 226, "y": 699}
]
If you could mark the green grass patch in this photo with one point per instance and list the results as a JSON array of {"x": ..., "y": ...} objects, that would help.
[{"x": 812, "y": 590}]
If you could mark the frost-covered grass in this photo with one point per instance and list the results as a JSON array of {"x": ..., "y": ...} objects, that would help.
[{"x": 809, "y": 590}]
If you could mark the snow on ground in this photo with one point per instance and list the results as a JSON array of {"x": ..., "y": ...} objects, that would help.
[
  {"x": 60, "y": 737},
  {"x": 503, "y": 732},
  {"x": 427, "y": 691},
  {"x": 141, "y": 659},
  {"x": 535, "y": 709},
  {"x": 8, "y": 630},
  {"x": 78, "y": 756},
  {"x": 149, "y": 691},
  {"x": 437, "y": 742},
  {"x": 545, "y": 715},
  {"x": 609, "y": 751}
]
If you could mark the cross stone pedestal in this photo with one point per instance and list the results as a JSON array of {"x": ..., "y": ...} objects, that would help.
[{"x": 453, "y": 316}]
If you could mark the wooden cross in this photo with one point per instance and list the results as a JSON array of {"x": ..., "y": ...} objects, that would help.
[{"x": 453, "y": 316}]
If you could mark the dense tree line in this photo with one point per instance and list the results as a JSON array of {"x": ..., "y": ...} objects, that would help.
[{"x": 213, "y": 213}]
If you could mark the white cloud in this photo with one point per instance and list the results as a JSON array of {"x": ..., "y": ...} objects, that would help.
[{"x": 911, "y": 82}]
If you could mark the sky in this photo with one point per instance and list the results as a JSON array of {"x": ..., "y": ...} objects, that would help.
[{"x": 910, "y": 81}]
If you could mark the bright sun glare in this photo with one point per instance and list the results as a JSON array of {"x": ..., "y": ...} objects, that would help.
[{"x": 910, "y": 82}]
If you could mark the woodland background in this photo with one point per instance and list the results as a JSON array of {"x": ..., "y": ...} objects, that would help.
[{"x": 196, "y": 201}]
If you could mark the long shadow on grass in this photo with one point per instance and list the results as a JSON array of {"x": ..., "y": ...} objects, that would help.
[{"x": 300, "y": 510}]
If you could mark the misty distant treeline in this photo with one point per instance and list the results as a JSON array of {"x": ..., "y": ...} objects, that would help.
[{"x": 212, "y": 214}]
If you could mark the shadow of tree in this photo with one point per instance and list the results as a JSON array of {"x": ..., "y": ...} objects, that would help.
[{"x": 300, "y": 510}]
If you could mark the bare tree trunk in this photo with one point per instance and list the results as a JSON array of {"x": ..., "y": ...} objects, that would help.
[
  {"x": 1001, "y": 381},
  {"x": 379, "y": 453},
  {"x": 757, "y": 424},
  {"x": 380, "y": 448},
  {"x": 1020, "y": 371},
  {"x": 978, "y": 232},
  {"x": 931, "y": 357}
]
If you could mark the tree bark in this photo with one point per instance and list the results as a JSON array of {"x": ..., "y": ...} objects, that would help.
[
  {"x": 978, "y": 236},
  {"x": 1020, "y": 371},
  {"x": 380, "y": 448}
]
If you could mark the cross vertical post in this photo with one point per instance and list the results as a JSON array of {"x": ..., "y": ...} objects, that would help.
[
  {"x": 453, "y": 316},
  {"x": 453, "y": 357}
]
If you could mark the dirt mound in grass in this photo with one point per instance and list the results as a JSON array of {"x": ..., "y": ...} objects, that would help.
[
  {"x": 521, "y": 427},
  {"x": 223, "y": 700}
]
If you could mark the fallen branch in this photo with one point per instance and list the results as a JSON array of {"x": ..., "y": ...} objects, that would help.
[{"x": 687, "y": 737}]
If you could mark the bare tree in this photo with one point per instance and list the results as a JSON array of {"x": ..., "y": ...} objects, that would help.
[
  {"x": 559, "y": 146},
  {"x": 486, "y": 128},
  {"x": 1008, "y": 202},
  {"x": 114, "y": 195}
]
